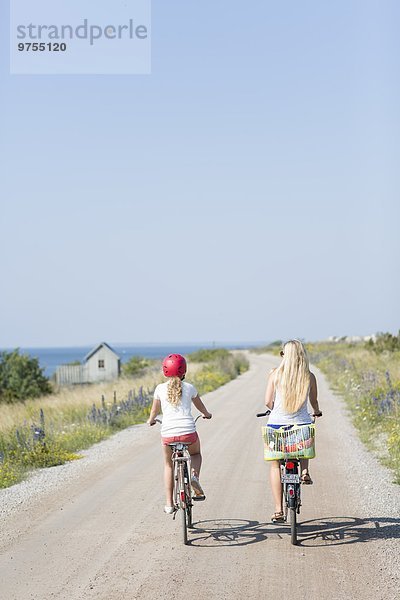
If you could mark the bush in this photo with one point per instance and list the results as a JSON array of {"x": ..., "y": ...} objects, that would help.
[
  {"x": 46, "y": 455},
  {"x": 224, "y": 367},
  {"x": 385, "y": 342},
  {"x": 208, "y": 355},
  {"x": 209, "y": 378},
  {"x": 272, "y": 348},
  {"x": 135, "y": 366},
  {"x": 21, "y": 377},
  {"x": 10, "y": 473}
]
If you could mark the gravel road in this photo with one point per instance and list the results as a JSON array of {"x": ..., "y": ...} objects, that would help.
[{"x": 94, "y": 528}]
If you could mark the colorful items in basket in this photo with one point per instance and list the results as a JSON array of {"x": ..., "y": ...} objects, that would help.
[
  {"x": 289, "y": 441},
  {"x": 297, "y": 441}
]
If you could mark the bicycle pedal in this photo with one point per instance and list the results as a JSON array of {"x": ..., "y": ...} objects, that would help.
[{"x": 198, "y": 498}]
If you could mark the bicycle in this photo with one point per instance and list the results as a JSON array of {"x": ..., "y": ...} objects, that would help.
[
  {"x": 182, "y": 491},
  {"x": 289, "y": 444}
]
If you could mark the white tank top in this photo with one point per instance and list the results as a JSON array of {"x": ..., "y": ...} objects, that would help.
[{"x": 279, "y": 417}]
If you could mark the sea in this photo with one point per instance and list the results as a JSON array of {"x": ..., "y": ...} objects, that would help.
[{"x": 51, "y": 358}]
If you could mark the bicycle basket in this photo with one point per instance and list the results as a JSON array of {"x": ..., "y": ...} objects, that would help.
[{"x": 289, "y": 441}]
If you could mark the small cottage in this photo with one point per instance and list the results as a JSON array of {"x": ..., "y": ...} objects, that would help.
[{"x": 101, "y": 364}]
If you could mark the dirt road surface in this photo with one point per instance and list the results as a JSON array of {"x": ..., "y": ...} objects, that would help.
[{"x": 101, "y": 534}]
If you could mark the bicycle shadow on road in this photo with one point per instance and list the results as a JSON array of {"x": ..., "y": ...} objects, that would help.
[
  {"x": 328, "y": 531},
  {"x": 334, "y": 531},
  {"x": 227, "y": 532}
]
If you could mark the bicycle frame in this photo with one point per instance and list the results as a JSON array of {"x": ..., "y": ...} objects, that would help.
[{"x": 182, "y": 468}]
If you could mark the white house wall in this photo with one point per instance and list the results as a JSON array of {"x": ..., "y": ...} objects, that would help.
[{"x": 111, "y": 366}]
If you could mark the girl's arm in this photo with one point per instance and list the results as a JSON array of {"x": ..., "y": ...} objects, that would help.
[
  {"x": 197, "y": 401},
  {"x": 270, "y": 391},
  {"x": 155, "y": 410},
  {"x": 314, "y": 395}
]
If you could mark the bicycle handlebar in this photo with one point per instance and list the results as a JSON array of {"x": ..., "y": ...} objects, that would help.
[
  {"x": 157, "y": 420},
  {"x": 268, "y": 412}
]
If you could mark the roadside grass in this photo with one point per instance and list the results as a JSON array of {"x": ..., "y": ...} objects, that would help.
[
  {"x": 51, "y": 430},
  {"x": 218, "y": 367},
  {"x": 370, "y": 384},
  {"x": 64, "y": 419}
]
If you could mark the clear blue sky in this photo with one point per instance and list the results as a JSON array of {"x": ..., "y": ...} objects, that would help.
[{"x": 248, "y": 189}]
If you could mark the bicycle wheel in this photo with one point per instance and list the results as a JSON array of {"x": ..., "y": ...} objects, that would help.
[
  {"x": 182, "y": 502},
  {"x": 188, "y": 498},
  {"x": 293, "y": 525}
]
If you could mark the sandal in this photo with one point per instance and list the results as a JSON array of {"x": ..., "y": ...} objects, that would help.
[
  {"x": 305, "y": 478},
  {"x": 278, "y": 517}
]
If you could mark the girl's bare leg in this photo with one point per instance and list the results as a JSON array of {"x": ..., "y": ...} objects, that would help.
[
  {"x": 304, "y": 465},
  {"x": 276, "y": 485},
  {"x": 195, "y": 455},
  {"x": 168, "y": 476}
]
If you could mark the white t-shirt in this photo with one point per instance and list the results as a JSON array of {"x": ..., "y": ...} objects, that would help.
[{"x": 177, "y": 420}]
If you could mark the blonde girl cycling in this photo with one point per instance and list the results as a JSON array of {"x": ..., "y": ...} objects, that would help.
[
  {"x": 289, "y": 389},
  {"x": 174, "y": 399}
]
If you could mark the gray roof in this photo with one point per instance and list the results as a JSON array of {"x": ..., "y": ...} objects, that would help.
[{"x": 96, "y": 348}]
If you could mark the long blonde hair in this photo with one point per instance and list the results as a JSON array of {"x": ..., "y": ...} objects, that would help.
[
  {"x": 174, "y": 391},
  {"x": 292, "y": 377}
]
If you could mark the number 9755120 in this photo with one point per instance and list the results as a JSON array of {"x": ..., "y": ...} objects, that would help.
[{"x": 42, "y": 47}]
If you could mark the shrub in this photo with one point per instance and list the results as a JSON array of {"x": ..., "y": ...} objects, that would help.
[
  {"x": 135, "y": 366},
  {"x": 385, "y": 342},
  {"x": 10, "y": 473},
  {"x": 208, "y": 355},
  {"x": 21, "y": 377},
  {"x": 45, "y": 455},
  {"x": 224, "y": 367},
  {"x": 209, "y": 378}
]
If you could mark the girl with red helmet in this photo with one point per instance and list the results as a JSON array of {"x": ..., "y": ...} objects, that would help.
[{"x": 174, "y": 399}]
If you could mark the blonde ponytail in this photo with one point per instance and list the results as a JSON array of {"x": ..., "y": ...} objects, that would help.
[
  {"x": 292, "y": 377},
  {"x": 174, "y": 391}
]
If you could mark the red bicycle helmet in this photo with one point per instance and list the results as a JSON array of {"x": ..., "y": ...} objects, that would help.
[{"x": 174, "y": 365}]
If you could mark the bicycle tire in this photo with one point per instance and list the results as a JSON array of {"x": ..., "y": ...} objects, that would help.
[
  {"x": 184, "y": 526},
  {"x": 189, "y": 517},
  {"x": 293, "y": 525},
  {"x": 188, "y": 501},
  {"x": 182, "y": 504}
]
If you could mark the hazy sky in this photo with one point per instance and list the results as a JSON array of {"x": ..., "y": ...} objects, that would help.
[{"x": 248, "y": 189}]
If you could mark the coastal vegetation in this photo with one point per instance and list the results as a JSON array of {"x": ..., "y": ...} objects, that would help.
[
  {"x": 135, "y": 366},
  {"x": 218, "y": 366},
  {"x": 21, "y": 377},
  {"x": 52, "y": 429},
  {"x": 367, "y": 376}
]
